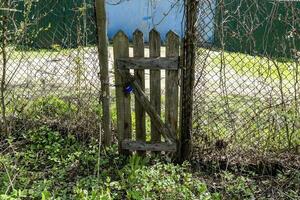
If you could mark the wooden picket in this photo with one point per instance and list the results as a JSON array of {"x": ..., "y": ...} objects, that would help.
[
  {"x": 140, "y": 114},
  {"x": 172, "y": 80},
  {"x": 155, "y": 85},
  {"x": 121, "y": 50},
  {"x": 126, "y": 82}
]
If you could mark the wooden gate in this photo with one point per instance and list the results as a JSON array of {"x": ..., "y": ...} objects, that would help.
[{"x": 127, "y": 83}]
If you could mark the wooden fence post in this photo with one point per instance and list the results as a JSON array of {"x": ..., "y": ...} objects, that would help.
[
  {"x": 155, "y": 86},
  {"x": 121, "y": 50},
  {"x": 104, "y": 74},
  {"x": 188, "y": 79},
  {"x": 171, "y": 104},
  {"x": 140, "y": 115}
]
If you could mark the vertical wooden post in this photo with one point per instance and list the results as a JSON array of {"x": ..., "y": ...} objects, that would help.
[
  {"x": 188, "y": 77},
  {"x": 155, "y": 88},
  {"x": 171, "y": 104},
  {"x": 3, "y": 50},
  {"x": 121, "y": 50},
  {"x": 104, "y": 72},
  {"x": 140, "y": 115}
]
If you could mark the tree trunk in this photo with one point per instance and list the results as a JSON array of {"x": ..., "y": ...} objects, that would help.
[
  {"x": 188, "y": 77},
  {"x": 104, "y": 71}
]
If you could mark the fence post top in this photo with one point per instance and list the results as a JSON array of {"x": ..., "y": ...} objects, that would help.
[
  {"x": 138, "y": 32},
  {"x": 154, "y": 31},
  {"x": 120, "y": 33},
  {"x": 172, "y": 34}
]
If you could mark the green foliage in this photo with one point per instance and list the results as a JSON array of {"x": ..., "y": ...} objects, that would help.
[
  {"x": 50, "y": 107},
  {"x": 249, "y": 185},
  {"x": 81, "y": 194},
  {"x": 238, "y": 187},
  {"x": 46, "y": 164},
  {"x": 49, "y": 165},
  {"x": 161, "y": 181}
]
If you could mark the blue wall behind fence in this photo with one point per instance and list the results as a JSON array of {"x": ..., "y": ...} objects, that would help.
[{"x": 130, "y": 15}]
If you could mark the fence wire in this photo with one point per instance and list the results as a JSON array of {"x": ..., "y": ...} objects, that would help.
[
  {"x": 246, "y": 97},
  {"x": 51, "y": 65}
]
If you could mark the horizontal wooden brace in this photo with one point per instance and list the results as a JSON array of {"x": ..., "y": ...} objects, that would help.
[
  {"x": 145, "y": 146},
  {"x": 170, "y": 63}
]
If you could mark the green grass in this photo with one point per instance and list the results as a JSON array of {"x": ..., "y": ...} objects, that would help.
[
  {"x": 257, "y": 66},
  {"x": 17, "y": 53},
  {"x": 243, "y": 64},
  {"x": 245, "y": 121}
]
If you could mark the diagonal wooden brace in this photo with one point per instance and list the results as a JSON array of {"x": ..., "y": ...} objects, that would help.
[{"x": 163, "y": 128}]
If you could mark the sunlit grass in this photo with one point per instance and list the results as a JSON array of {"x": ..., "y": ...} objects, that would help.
[
  {"x": 257, "y": 66},
  {"x": 19, "y": 53}
]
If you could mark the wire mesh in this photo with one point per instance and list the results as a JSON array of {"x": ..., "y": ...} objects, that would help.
[
  {"x": 51, "y": 65},
  {"x": 246, "y": 97},
  {"x": 246, "y": 94}
]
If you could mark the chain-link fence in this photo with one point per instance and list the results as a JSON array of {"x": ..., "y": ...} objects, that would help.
[
  {"x": 246, "y": 98},
  {"x": 49, "y": 65},
  {"x": 247, "y": 91}
]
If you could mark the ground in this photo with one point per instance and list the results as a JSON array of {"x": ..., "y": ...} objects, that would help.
[{"x": 44, "y": 163}]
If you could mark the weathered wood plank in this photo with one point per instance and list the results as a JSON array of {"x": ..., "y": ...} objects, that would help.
[
  {"x": 139, "y": 74},
  {"x": 171, "y": 103},
  {"x": 155, "y": 88},
  {"x": 170, "y": 63},
  {"x": 144, "y": 146},
  {"x": 156, "y": 121},
  {"x": 121, "y": 50}
]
